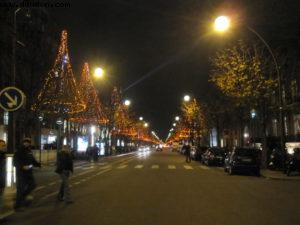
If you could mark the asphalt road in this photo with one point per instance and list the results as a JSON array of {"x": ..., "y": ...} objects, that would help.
[{"x": 159, "y": 188}]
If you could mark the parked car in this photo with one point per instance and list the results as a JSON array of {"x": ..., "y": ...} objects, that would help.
[
  {"x": 243, "y": 160},
  {"x": 213, "y": 156},
  {"x": 197, "y": 152},
  {"x": 293, "y": 162}
]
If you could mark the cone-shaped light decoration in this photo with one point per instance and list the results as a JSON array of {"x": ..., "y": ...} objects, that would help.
[
  {"x": 60, "y": 95},
  {"x": 94, "y": 112}
]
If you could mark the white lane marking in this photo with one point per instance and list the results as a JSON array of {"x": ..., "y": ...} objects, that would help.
[
  {"x": 83, "y": 180},
  {"x": 76, "y": 183},
  {"x": 171, "y": 167},
  {"x": 188, "y": 167},
  {"x": 155, "y": 167},
  {"x": 139, "y": 166},
  {"x": 49, "y": 195},
  {"x": 103, "y": 171},
  {"x": 39, "y": 188},
  {"x": 52, "y": 183},
  {"x": 88, "y": 168},
  {"x": 102, "y": 163},
  {"x": 105, "y": 167},
  {"x": 83, "y": 173},
  {"x": 122, "y": 167},
  {"x": 204, "y": 167}
]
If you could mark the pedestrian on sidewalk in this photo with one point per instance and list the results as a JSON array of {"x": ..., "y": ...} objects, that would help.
[
  {"x": 187, "y": 152},
  {"x": 2, "y": 170},
  {"x": 64, "y": 169},
  {"x": 24, "y": 162}
]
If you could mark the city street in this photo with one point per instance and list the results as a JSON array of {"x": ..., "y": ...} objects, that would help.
[{"x": 160, "y": 188}]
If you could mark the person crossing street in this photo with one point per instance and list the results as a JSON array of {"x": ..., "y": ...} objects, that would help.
[{"x": 24, "y": 162}]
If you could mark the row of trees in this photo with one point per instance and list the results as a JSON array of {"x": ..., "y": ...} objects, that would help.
[
  {"x": 244, "y": 80},
  {"x": 78, "y": 102}
]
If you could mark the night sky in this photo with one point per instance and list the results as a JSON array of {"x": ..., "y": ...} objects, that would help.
[{"x": 168, "y": 41}]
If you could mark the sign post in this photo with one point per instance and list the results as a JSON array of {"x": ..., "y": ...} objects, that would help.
[{"x": 11, "y": 99}]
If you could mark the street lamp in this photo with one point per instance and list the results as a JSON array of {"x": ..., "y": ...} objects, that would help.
[
  {"x": 146, "y": 124},
  {"x": 177, "y": 118},
  {"x": 127, "y": 102},
  {"x": 141, "y": 118},
  {"x": 186, "y": 98},
  {"x": 222, "y": 23},
  {"x": 99, "y": 72},
  {"x": 174, "y": 124}
]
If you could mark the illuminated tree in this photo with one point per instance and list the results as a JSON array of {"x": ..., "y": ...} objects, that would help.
[
  {"x": 60, "y": 94},
  {"x": 245, "y": 74},
  {"x": 94, "y": 113}
]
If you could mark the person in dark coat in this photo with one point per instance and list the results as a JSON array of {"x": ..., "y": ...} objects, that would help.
[
  {"x": 187, "y": 152},
  {"x": 24, "y": 162},
  {"x": 64, "y": 169},
  {"x": 2, "y": 170}
]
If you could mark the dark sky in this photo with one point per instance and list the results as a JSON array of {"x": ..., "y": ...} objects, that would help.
[{"x": 167, "y": 38}]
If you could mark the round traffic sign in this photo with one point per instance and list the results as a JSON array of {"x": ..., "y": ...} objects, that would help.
[{"x": 11, "y": 98}]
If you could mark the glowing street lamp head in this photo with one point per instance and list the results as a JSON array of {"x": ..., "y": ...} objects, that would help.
[
  {"x": 174, "y": 124},
  {"x": 146, "y": 124},
  {"x": 141, "y": 118},
  {"x": 99, "y": 72},
  {"x": 127, "y": 102},
  {"x": 222, "y": 23},
  {"x": 186, "y": 98},
  {"x": 177, "y": 118}
]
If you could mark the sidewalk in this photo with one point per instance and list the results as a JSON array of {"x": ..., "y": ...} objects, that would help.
[{"x": 279, "y": 175}]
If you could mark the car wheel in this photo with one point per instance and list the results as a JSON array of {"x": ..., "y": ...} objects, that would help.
[{"x": 231, "y": 172}]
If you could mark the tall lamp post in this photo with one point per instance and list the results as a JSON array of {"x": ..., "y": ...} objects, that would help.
[{"x": 222, "y": 24}]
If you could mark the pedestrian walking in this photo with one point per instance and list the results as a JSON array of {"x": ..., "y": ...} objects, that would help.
[
  {"x": 64, "y": 169},
  {"x": 2, "y": 170},
  {"x": 24, "y": 162},
  {"x": 188, "y": 153}
]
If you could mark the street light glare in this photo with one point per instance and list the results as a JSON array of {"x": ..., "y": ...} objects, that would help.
[
  {"x": 99, "y": 72},
  {"x": 187, "y": 98},
  {"x": 177, "y": 118},
  {"x": 146, "y": 125},
  {"x": 222, "y": 23},
  {"x": 141, "y": 118},
  {"x": 127, "y": 102}
]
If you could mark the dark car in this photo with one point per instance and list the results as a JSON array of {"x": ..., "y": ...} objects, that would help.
[
  {"x": 196, "y": 153},
  {"x": 243, "y": 160},
  {"x": 213, "y": 157}
]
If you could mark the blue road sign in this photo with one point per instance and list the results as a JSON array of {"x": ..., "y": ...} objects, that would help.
[{"x": 11, "y": 98}]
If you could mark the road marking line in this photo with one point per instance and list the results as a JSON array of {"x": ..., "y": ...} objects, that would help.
[
  {"x": 50, "y": 184},
  {"x": 204, "y": 167},
  {"x": 82, "y": 173},
  {"x": 39, "y": 188},
  {"x": 83, "y": 180},
  {"x": 155, "y": 167},
  {"x": 171, "y": 167},
  {"x": 188, "y": 167},
  {"x": 105, "y": 167},
  {"x": 122, "y": 167},
  {"x": 103, "y": 171},
  {"x": 77, "y": 183},
  {"x": 49, "y": 195},
  {"x": 139, "y": 166}
]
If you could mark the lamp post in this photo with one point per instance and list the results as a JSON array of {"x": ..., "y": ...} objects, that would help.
[
  {"x": 59, "y": 122},
  {"x": 222, "y": 23},
  {"x": 41, "y": 118}
]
